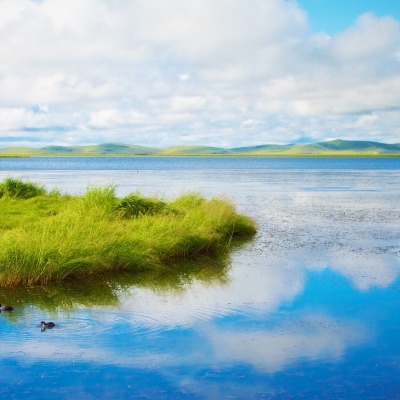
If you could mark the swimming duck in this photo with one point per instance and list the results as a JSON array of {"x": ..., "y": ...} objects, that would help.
[
  {"x": 5, "y": 308},
  {"x": 46, "y": 325}
]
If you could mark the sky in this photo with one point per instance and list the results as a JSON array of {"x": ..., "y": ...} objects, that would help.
[{"x": 225, "y": 73}]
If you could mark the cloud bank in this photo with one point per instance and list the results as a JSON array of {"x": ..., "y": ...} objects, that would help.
[{"x": 225, "y": 73}]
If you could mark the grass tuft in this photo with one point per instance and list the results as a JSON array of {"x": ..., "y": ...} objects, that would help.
[
  {"x": 18, "y": 189},
  {"x": 135, "y": 205},
  {"x": 52, "y": 237}
]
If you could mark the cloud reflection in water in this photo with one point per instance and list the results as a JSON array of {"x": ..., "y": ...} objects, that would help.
[{"x": 318, "y": 287}]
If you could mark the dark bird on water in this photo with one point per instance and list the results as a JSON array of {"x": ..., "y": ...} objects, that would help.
[
  {"x": 47, "y": 325},
  {"x": 5, "y": 308}
]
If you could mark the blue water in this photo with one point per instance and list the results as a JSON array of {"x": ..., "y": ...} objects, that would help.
[
  {"x": 194, "y": 163},
  {"x": 309, "y": 309}
]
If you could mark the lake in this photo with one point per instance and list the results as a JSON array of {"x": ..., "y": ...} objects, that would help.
[{"x": 309, "y": 309}]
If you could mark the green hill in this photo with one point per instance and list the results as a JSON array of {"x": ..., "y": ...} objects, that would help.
[
  {"x": 194, "y": 150},
  {"x": 359, "y": 146},
  {"x": 117, "y": 148},
  {"x": 58, "y": 150},
  {"x": 261, "y": 149},
  {"x": 106, "y": 148},
  {"x": 333, "y": 147},
  {"x": 19, "y": 151}
]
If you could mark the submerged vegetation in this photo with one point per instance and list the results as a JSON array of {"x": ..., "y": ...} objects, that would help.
[{"x": 47, "y": 237}]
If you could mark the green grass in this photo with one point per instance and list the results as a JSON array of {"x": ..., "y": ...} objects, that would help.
[
  {"x": 49, "y": 237},
  {"x": 15, "y": 188}
]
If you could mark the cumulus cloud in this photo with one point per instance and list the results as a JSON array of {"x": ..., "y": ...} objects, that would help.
[
  {"x": 194, "y": 71},
  {"x": 255, "y": 288},
  {"x": 320, "y": 337},
  {"x": 313, "y": 337}
]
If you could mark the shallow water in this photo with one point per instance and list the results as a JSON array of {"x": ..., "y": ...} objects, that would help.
[{"x": 309, "y": 309}]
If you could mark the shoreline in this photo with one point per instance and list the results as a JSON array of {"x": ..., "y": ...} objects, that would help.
[{"x": 319, "y": 155}]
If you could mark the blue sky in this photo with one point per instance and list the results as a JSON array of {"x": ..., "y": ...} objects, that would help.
[
  {"x": 333, "y": 16},
  {"x": 215, "y": 72}
]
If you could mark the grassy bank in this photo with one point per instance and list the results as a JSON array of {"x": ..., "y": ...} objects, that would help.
[{"x": 47, "y": 237}]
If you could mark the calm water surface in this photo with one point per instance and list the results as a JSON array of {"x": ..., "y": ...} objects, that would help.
[{"x": 310, "y": 309}]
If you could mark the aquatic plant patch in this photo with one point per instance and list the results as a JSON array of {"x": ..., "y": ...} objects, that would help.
[{"x": 51, "y": 237}]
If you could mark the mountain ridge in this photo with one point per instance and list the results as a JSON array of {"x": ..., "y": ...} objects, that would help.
[{"x": 332, "y": 147}]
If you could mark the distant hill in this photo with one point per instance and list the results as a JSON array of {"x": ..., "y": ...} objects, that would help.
[
  {"x": 338, "y": 147},
  {"x": 333, "y": 147},
  {"x": 194, "y": 150},
  {"x": 117, "y": 148}
]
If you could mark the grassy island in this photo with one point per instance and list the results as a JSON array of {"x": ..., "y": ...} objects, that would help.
[{"x": 46, "y": 236}]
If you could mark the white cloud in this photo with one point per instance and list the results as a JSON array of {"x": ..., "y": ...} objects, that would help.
[
  {"x": 112, "y": 118},
  {"x": 320, "y": 337},
  {"x": 252, "y": 288},
  {"x": 15, "y": 118},
  {"x": 262, "y": 285},
  {"x": 216, "y": 33},
  {"x": 311, "y": 337},
  {"x": 369, "y": 39},
  {"x": 194, "y": 71}
]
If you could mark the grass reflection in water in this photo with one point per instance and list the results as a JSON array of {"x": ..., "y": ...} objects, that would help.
[{"x": 106, "y": 289}]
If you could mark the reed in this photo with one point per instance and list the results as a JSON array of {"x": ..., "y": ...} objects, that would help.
[{"x": 49, "y": 237}]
